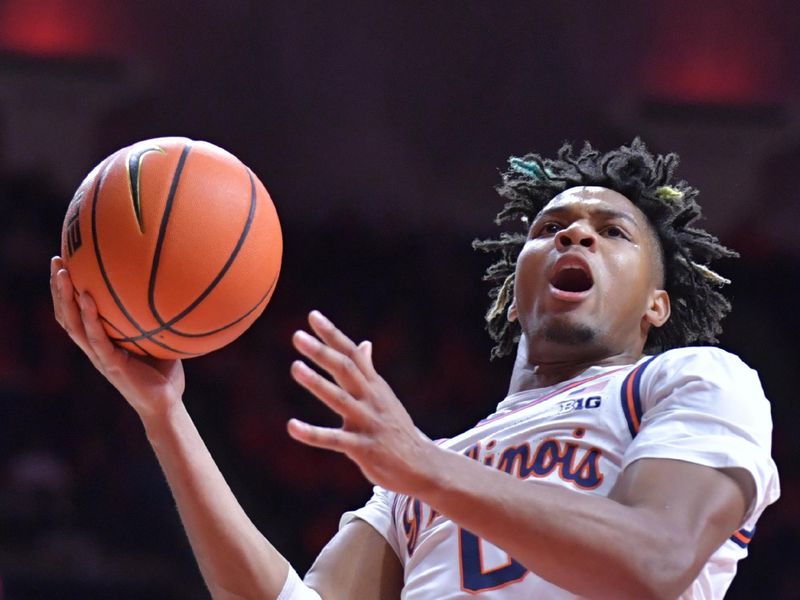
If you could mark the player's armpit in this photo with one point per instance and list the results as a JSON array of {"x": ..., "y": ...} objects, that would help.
[
  {"x": 746, "y": 484},
  {"x": 356, "y": 563},
  {"x": 699, "y": 507}
]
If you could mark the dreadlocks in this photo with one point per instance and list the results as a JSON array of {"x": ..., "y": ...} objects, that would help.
[{"x": 671, "y": 207}]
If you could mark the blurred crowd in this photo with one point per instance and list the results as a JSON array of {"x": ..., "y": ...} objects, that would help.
[{"x": 84, "y": 509}]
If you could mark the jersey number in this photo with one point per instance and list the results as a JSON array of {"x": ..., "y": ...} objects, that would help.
[{"x": 474, "y": 577}]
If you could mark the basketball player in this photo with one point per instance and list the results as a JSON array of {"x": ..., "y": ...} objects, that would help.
[{"x": 621, "y": 465}]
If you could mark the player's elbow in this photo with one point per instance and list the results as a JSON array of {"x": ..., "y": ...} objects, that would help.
[
  {"x": 666, "y": 571},
  {"x": 654, "y": 571},
  {"x": 640, "y": 589}
]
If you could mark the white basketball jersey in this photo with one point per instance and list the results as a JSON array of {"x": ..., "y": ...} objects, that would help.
[{"x": 701, "y": 405}]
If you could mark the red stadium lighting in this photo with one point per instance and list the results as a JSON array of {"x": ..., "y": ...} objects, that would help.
[
  {"x": 711, "y": 55},
  {"x": 55, "y": 27}
]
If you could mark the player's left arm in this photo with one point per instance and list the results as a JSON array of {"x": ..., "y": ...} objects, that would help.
[{"x": 648, "y": 539}]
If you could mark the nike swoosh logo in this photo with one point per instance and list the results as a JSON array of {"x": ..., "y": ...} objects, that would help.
[{"x": 134, "y": 166}]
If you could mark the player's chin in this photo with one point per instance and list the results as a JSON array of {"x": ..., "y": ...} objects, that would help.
[{"x": 565, "y": 331}]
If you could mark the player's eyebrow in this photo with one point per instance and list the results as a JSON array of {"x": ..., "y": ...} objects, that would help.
[{"x": 602, "y": 212}]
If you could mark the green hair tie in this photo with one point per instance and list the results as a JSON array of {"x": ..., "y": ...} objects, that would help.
[
  {"x": 531, "y": 169},
  {"x": 668, "y": 193}
]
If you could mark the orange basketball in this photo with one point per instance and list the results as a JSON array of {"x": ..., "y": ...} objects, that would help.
[{"x": 178, "y": 243}]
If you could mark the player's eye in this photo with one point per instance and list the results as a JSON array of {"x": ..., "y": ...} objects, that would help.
[
  {"x": 615, "y": 232},
  {"x": 548, "y": 228}
]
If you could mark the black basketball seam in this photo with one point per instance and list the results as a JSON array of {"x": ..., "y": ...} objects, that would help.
[
  {"x": 101, "y": 265},
  {"x": 206, "y": 333},
  {"x": 135, "y": 341},
  {"x": 116, "y": 339},
  {"x": 232, "y": 323},
  {"x": 167, "y": 325},
  {"x": 162, "y": 233},
  {"x": 110, "y": 324}
]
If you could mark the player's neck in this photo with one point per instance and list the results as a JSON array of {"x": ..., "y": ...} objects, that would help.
[{"x": 538, "y": 372}]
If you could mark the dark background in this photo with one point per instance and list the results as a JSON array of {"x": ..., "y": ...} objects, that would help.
[{"x": 379, "y": 129}]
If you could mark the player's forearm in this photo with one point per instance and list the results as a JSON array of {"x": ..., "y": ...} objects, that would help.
[
  {"x": 588, "y": 544},
  {"x": 235, "y": 559}
]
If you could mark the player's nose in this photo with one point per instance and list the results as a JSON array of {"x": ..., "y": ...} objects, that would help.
[{"x": 577, "y": 234}]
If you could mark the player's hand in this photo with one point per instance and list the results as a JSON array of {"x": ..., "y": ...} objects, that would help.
[
  {"x": 377, "y": 433},
  {"x": 149, "y": 385}
]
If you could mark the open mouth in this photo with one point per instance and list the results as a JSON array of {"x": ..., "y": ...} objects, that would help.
[{"x": 572, "y": 279}]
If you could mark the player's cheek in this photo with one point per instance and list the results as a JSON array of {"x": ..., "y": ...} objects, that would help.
[{"x": 530, "y": 266}]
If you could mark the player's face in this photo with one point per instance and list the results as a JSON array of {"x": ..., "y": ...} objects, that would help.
[{"x": 588, "y": 277}]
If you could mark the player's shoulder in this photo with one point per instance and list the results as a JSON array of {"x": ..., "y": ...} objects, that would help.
[
  {"x": 709, "y": 361},
  {"x": 702, "y": 371}
]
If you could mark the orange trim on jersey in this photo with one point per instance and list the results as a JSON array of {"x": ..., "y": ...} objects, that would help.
[
  {"x": 742, "y": 538},
  {"x": 630, "y": 400},
  {"x": 630, "y": 397}
]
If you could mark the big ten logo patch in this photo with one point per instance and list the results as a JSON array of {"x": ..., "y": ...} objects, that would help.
[{"x": 573, "y": 404}]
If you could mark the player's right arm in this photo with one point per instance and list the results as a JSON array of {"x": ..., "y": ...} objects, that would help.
[{"x": 235, "y": 559}]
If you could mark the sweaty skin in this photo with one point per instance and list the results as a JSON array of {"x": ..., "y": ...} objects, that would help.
[{"x": 605, "y": 231}]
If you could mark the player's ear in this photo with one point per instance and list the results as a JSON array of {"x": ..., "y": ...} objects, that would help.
[{"x": 659, "y": 310}]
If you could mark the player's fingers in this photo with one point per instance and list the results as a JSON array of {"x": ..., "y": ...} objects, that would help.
[
  {"x": 56, "y": 264},
  {"x": 106, "y": 353},
  {"x": 341, "y": 367},
  {"x": 328, "y": 438},
  {"x": 329, "y": 333},
  {"x": 336, "y": 339},
  {"x": 330, "y": 394},
  {"x": 69, "y": 313},
  {"x": 365, "y": 359}
]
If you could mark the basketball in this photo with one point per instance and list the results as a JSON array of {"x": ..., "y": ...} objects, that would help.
[{"x": 179, "y": 244}]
